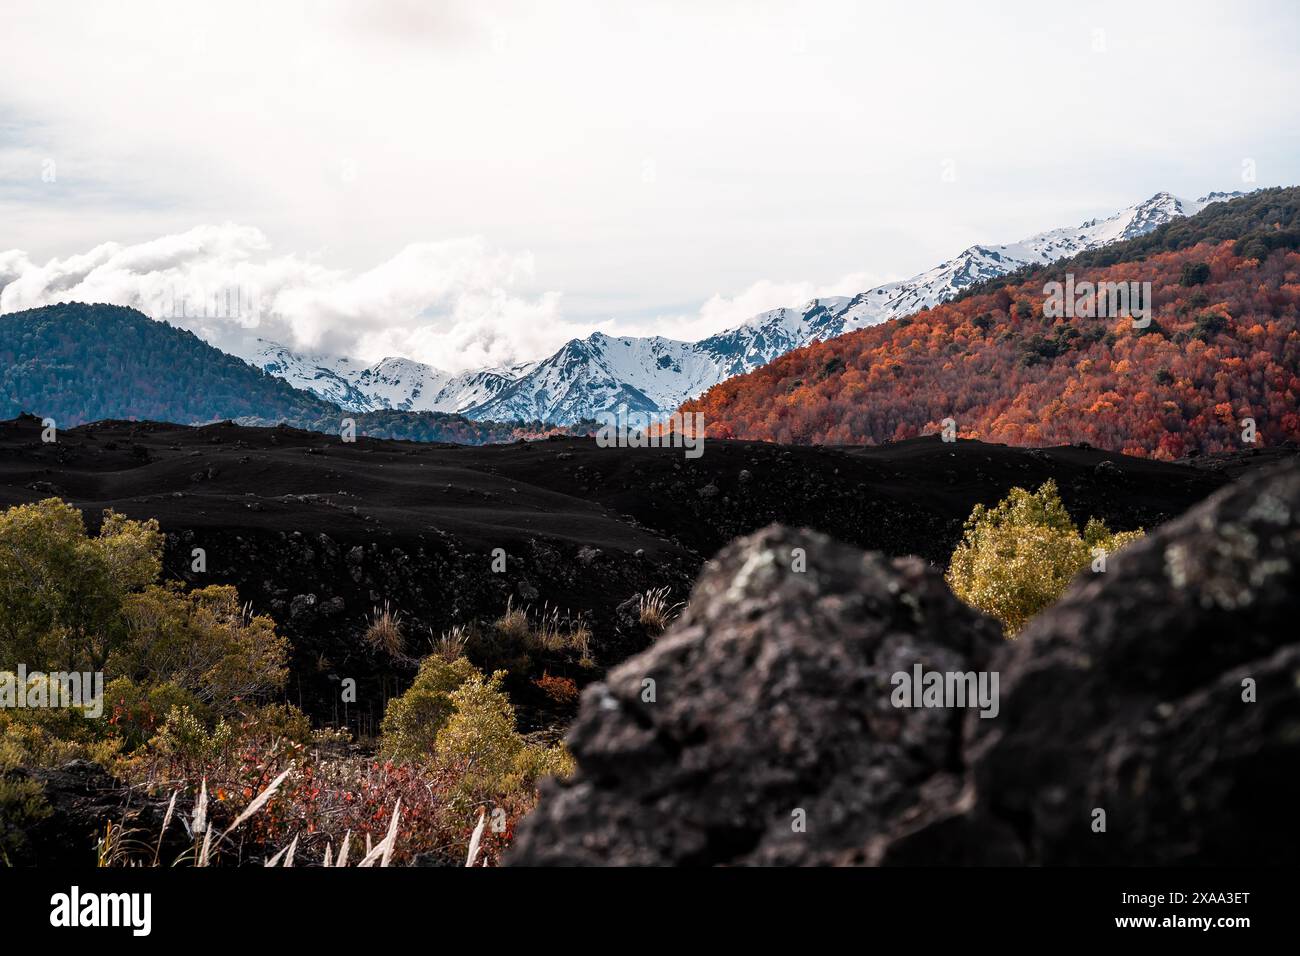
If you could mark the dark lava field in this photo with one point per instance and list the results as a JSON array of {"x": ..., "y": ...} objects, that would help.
[{"x": 317, "y": 532}]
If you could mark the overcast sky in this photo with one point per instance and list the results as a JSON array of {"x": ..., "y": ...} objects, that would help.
[{"x": 475, "y": 183}]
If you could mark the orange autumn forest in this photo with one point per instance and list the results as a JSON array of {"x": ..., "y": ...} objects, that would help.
[{"x": 1221, "y": 348}]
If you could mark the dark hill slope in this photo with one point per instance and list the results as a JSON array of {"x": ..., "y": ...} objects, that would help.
[{"x": 77, "y": 363}]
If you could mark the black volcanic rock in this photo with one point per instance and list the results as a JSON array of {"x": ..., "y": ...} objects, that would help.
[
  {"x": 1127, "y": 696},
  {"x": 81, "y": 798},
  {"x": 319, "y": 541},
  {"x": 770, "y": 697}
]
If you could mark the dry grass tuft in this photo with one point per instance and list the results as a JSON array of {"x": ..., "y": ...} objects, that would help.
[
  {"x": 580, "y": 641},
  {"x": 552, "y": 630},
  {"x": 382, "y": 852},
  {"x": 655, "y": 612},
  {"x": 514, "y": 622},
  {"x": 167, "y": 819},
  {"x": 475, "y": 838},
  {"x": 452, "y": 643},
  {"x": 119, "y": 846},
  {"x": 385, "y": 632}
]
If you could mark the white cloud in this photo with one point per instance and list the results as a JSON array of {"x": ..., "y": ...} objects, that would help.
[
  {"x": 786, "y": 138},
  {"x": 449, "y": 303},
  {"x": 452, "y": 304}
]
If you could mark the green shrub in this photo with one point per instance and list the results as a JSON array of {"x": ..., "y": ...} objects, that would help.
[
  {"x": 1194, "y": 273},
  {"x": 49, "y": 736},
  {"x": 480, "y": 740},
  {"x": 455, "y": 719},
  {"x": 1017, "y": 557},
  {"x": 61, "y": 591},
  {"x": 186, "y": 739},
  {"x": 412, "y": 721},
  {"x": 1208, "y": 325},
  {"x": 480, "y": 735},
  {"x": 535, "y": 762},
  {"x": 276, "y": 721},
  {"x": 204, "y": 642},
  {"x": 22, "y": 800},
  {"x": 137, "y": 711}
]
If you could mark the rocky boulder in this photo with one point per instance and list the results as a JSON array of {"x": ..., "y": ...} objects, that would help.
[
  {"x": 760, "y": 729},
  {"x": 79, "y": 799},
  {"x": 1152, "y": 716},
  {"x": 1160, "y": 699}
]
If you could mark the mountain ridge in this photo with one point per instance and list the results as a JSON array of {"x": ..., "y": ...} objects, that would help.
[
  {"x": 1214, "y": 369},
  {"x": 601, "y": 372}
]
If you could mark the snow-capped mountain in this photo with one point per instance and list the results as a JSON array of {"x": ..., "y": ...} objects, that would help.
[
  {"x": 399, "y": 383},
  {"x": 650, "y": 374},
  {"x": 979, "y": 263},
  {"x": 333, "y": 379},
  {"x": 603, "y": 372}
]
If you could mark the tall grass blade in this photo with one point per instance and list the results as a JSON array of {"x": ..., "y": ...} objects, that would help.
[
  {"x": 476, "y": 838},
  {"x": 167, "y": 819}
]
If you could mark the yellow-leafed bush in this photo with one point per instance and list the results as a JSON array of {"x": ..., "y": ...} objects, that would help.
[
  {"x": 412, "y": 721},
  {"x": 481, "y": 741},
  {"x": 203, "y": 641},
  {"x": 455, "y": 718},
  {"x": 1017, "y": 557}
]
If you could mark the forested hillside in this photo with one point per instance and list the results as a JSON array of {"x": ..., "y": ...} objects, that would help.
[
  {"x": 78, "y": 363},
  {"x": 430, "y": 426},
  {"x": 1222, "y": 347}
]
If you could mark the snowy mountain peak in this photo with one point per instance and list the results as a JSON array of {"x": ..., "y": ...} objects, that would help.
[
  {"x": 333, "y": 379},
  {"x": 1218, "y": 197},
  {"x": 403, "y": 384},
  {"x": 394, "y": 382}
]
